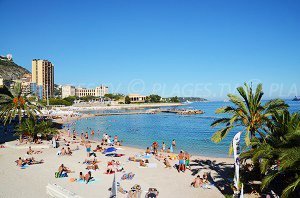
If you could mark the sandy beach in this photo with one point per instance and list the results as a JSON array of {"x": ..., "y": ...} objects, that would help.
[{"x": 32, "y": 181}]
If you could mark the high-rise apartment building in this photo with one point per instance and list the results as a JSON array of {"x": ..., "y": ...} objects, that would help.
[{"x": 43, "y": 76}]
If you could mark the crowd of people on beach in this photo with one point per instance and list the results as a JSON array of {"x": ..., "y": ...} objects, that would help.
[{"x": 65, "y": 141}]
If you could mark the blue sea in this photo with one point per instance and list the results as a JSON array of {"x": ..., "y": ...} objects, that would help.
[{"x": 191, "y": 132}]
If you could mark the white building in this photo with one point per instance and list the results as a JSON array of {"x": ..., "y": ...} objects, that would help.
[
  {"x": 67, "y": 90},
  {"x": 98, "y": 91},
  {"x": 136, "y": 98}
]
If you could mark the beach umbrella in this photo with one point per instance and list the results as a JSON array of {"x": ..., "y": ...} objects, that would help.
[
  {"x": 114, "y": 191},
  {"x": 171, "y": 149}
]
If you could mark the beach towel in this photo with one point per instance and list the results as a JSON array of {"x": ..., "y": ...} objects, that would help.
[
  {"x": 84, "y": 182},
  {"x": 128, "y": 176},
  {"x": 109, "y": 150},
  {"x": 24, "y": 166},
  {"x": 149, "y": 165}
]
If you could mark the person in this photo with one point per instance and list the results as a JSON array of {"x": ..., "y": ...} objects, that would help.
[
  {"x": 88, "y": 177},
  {"x": 98, "y": 149},
  {"x": 93, "y": 132},
  {"x": 167, "y": 163},
  {"x": 86, "y": 135},
  {"x": 88, "y": 148},
  {"x": 169, "y": 150},
  {"x": 148, "y": 150},
  {"x": 30, "y": 151},
  {"x": 63, "y": 151},
  {"x": 142, "y": 163},
  {"x": 155, "y": 147},
  {"x": 93, "y": 166},
  {"x": 205, "y": 178},
  {"x": 187, "y": 161},
  {"x": 110, "y": 166},
  {"x": 54, "y": 142},
  {"x": 69, "y": 152},
  {"x": 62, "y": 169},
  {"x": 163, "y": 147},
  {"x": 20, "y": 162},
  {"x": 181, "y": 158},
  {"x": 115, "y": 139},
  {"x": 173, "y": 143},
  {"x": 69, "y": 134},
  {"x": 197, "y": 182},
  {"x": 74, "y": 134},
  {"x": 81, "y": 177}
]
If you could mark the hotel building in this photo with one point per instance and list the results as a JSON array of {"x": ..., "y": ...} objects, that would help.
[
  {"x": 98, "y": 91},
  {"x": 67, "y": 90},
  {"x": 43, "y": 76}
]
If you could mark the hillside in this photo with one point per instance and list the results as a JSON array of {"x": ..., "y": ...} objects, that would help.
[{"x": 10, "y": 70}]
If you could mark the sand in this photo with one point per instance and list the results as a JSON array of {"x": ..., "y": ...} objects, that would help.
[{"x": 32, "y": 181}]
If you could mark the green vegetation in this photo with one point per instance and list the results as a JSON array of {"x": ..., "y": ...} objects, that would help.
[
  {"x": 174, "y": 99},
  {"x": 272, "y": 137},
  {"x": 13, "y": 104},
  {"x": 57, "y": 101},
  {"x": 114, "y": 97},
  {"x": 153, "y": 98},
  {"x": 71, "y": 99},
  {"x": 88, "y": 98},
  {"x": 127, "y": 100},
  {"x": 32, "y": 128},
  {"x": 248, "y": 112},
  {"x": 278, "y": 154}
]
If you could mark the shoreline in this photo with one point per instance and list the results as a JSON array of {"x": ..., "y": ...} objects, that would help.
[{"x": 92, "y": 107}]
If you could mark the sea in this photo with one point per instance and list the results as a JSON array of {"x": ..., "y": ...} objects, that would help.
[{"x": 192, "y": 133}]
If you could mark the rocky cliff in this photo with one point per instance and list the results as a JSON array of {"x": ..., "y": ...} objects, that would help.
[{"x": 10, "y": 70}]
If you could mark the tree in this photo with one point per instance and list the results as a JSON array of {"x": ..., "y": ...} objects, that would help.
[
  {"x": 115, "y": 96},
  {"x": 174, "y": 99},
  {"x": 14, "y": 104},
  {"x": 31, "y": 128},
  {"x": 154, "y": 98},
  {"x": 71, "y": 99},
  {"x": 127, "y": 100},
  {"x": 247, "y": 112},
  {"x": 278, "y": 154}
]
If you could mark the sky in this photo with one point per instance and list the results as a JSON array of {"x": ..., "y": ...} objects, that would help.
[{"x": 166, "y": 47}]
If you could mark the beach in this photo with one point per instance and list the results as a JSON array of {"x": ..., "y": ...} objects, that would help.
[{"x": 32, "y": 181}]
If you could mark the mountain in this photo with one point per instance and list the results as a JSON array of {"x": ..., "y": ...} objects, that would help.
[
  {"x": 296, "y": 99},
  {"x": 10, "y": 70}
]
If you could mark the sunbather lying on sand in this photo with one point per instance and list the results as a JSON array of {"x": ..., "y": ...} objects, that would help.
[
  {"x": 98, "y": 149},
  {"x": 198, "y": 182},
  {"x": 30, "y": 151},
  {"x": 142, "y": 163},
  {"x": 87, "y": 161},
  {"x": 29, "y": 161},
  {"x": 93, "y": 166},
  {"x": 134, "y": 159},
  {"x": 167, "y": 163}
]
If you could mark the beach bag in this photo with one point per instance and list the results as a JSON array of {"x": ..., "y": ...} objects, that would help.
[{"x": 56, "y": 174}]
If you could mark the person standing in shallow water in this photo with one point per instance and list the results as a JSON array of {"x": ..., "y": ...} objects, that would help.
[{"x": 173, "y": 143}]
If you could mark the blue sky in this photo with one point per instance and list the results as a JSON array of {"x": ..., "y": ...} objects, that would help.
[{"x": 185, "y": 48}]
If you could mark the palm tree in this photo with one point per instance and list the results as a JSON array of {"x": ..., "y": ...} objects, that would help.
[
  {"x": 13, "y": 104},
  {"x": 32, "y": 128},
  {"x": 278, "y": 154},
  {"x": 248, "y": 112}
]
